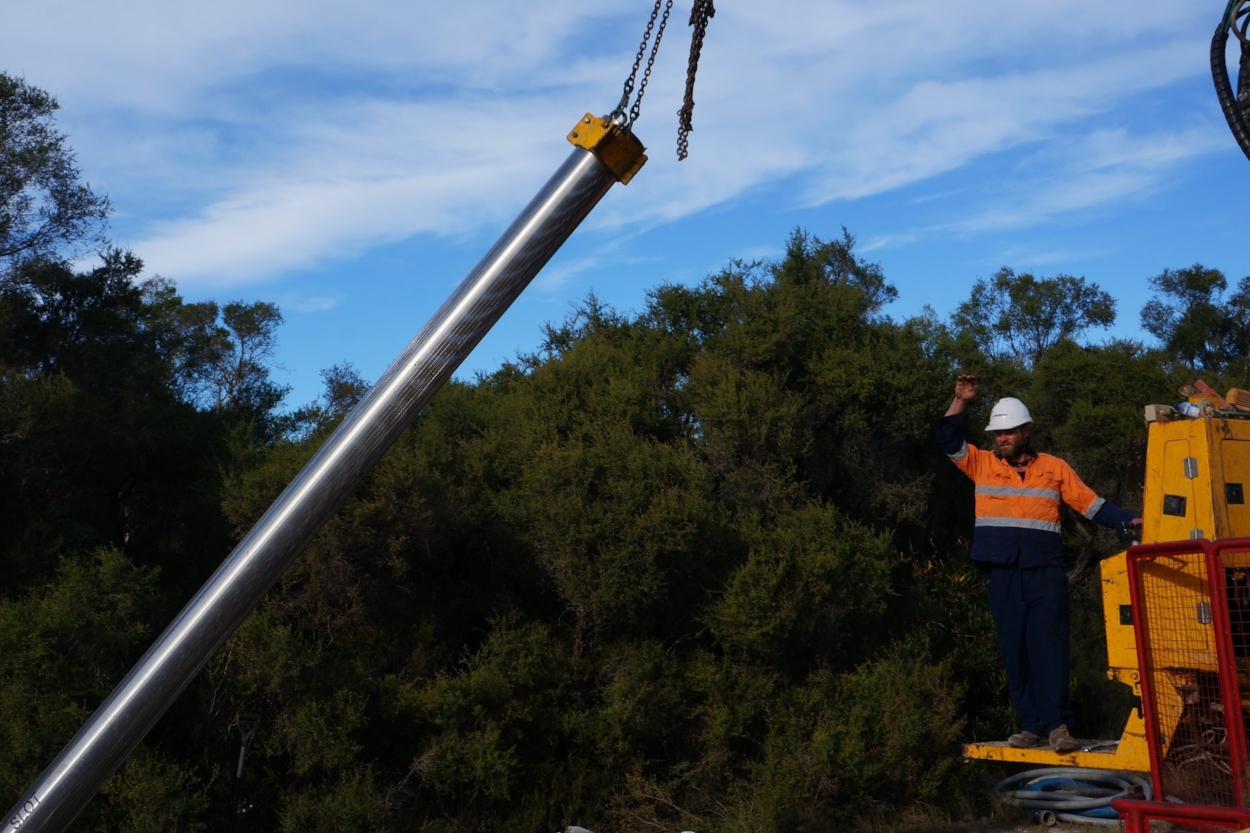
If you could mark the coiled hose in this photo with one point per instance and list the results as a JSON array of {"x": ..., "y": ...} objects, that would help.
[
  {"x": 1230, "y": 102},
  {"x": 1071, "y": 794}
]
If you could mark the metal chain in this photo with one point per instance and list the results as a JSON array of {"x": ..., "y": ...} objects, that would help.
[
  {"x": 642, "y": 49},
  {"x": 655, "y": 48},
  {"x": 700, "y": 14},
  {"x": 702, "y": 11}
]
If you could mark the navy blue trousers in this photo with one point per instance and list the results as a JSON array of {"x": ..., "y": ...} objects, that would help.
[{"x": 1030, "y": 608}]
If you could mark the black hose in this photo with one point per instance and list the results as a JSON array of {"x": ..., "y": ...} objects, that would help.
[{"x": 1233, "y": 111}]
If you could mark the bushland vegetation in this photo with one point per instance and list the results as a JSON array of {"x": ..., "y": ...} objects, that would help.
[{"x": 697, "y": 567}]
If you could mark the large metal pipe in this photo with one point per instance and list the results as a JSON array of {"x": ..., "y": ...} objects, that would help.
[{"x": 238, "y": 585}]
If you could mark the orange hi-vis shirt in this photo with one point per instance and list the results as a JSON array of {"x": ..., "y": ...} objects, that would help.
[{"x": 1017, "y": 520}]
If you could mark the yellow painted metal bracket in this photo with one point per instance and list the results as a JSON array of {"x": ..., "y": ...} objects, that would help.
[{"x": 615, "y": 146}]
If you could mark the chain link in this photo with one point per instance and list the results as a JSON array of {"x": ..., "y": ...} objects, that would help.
[
  {"x": 700, "y": 14},
  {"x": 646, "y": 74},
  {"x": 633, "y": 73}
]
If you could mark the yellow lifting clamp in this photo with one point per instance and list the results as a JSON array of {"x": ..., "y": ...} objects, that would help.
[{"x": 612, "y": 142}]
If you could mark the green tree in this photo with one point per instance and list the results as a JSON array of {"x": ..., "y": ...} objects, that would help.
[
  {"x": 100, "y": 448},
  {"x": 45, "y": 211},
  {"x": 1020, "y": 317},
  {"x": 63, "y": 646},
  {"x": 699, "y": 566},
  {"x": 835, "y": 263},
  {"x": 343, "y": 388},
  {"x": 238, "y": 377},
  {"x": 601, "y": 581},
  {"x": 1194, "y": 321}
]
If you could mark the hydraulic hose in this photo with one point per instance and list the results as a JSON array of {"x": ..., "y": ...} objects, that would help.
[
  {"x": 1229, "y": 102},
  {"x": 1072, "y": 794}
]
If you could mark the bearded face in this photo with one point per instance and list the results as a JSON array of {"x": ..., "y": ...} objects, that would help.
[{"x": 1013, "y": 443}]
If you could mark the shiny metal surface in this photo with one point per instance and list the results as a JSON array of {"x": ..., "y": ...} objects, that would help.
[{"x": 237, "y": 586}]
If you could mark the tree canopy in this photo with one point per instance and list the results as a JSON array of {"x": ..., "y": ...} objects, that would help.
[
  {"x": 1195, "y": 322},
  {"x": 1021, "y": 316},
  {"x": 44, "y": 209}
]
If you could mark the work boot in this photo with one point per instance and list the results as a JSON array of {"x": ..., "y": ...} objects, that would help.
[
  {"x": 1061, "y": 741},
  {"x": 1025, "y": 740}
]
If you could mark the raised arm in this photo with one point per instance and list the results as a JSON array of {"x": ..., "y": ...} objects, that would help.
[
  {"x": 950, "y": 430},
  {"x": 965, "y": 392}
]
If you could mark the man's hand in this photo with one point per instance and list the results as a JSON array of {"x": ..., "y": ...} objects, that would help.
[
  {"x": 966, "y": 387},
  {"x": 965, "y": 390}
]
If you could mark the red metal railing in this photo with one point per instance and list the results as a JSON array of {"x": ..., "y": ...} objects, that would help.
[
  {"x": 1137, "y": 816},
  {"x": 1226, "y": 558},
  {"x": 1191, "y": 618},
  {"x": 1182, "y": 695}
]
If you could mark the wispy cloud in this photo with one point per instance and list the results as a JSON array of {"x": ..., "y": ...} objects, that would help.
[
  {"x": 937, "y": 126},
  {"x": 886, "y": 240},
  {"x": 344, "y": 190},
  {"x": 281, "y": 136},
  {"x": 1103, "y": 168},
  {"x": 605, "y": 261},
  {"x": 553, "y": 279},
  {"x": 1066, "y": 181},
  {"x": 311, "y": 303},
  {"x": 1033, "y": 258}
]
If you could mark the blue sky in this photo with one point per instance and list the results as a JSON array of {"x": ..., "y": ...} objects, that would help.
[{"x": 351, "y": 162}]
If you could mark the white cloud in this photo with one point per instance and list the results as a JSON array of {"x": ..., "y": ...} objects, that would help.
[
  {"x": 311, "y": 303},
  {"x": 278, "y": 136},
  {"x": 349, "y": 189},
  {"x": 885, "y": 240},
  {"x": 1103, "y": 168},
  {"x": 1038, "y": 259},
  {"x": 1067, "y": 181},
  {"x": 553, "y": 279},
  {"x": 156, "y": 56}
]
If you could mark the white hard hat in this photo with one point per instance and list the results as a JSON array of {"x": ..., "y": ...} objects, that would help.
[{"x": 1007, "y": 414}]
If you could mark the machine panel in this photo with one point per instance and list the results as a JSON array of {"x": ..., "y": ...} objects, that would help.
[
  {"x": 1235, "y": 454},
  {"x": 1175, "y": 513}
]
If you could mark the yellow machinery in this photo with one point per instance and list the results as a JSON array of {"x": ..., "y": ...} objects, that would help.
[{"x": 1197, "y": 480}]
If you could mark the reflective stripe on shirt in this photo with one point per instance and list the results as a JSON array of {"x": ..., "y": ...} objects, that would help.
[
  {"x": 1020, "y": 523},
  {"x": 1017, "y": 491},
  {"x": 960, "y": 454},
  {"x": 1094, "y": 507}
]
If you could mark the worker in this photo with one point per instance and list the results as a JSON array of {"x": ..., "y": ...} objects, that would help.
[{"x": 1018, "y": 545}]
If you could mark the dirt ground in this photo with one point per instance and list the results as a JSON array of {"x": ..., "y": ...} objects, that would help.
[
  {"x": 1013, "y": 822},
  {"x": 999, "y": 826}
]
